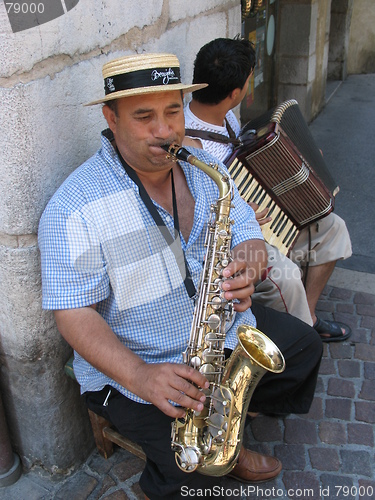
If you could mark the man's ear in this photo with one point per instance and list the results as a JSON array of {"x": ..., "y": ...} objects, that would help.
[
  {"x": 110, "y": 116},
  {"x": 235, "y": 94}
]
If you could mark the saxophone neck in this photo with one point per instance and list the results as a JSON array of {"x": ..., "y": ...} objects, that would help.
[{"x": 219, "y": 176}]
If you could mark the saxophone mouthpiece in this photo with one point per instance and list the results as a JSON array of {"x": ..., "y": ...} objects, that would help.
[
  {"x": 165, "y": 147},
  {"x": 176, "y": 152}
]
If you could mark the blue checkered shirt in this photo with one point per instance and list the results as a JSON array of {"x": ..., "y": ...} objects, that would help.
[{"x": 100, "y": 245}]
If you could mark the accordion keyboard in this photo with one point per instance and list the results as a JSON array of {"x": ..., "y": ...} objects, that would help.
[{"x": 280, "y": 232}]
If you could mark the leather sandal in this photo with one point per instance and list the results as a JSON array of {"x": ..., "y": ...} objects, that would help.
[
  {"x": 330, "y": 331},
  {"x": 253, "y": 467}
]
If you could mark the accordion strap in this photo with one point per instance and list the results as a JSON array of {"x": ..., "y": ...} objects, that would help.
[{"x": 214, "y": 136}]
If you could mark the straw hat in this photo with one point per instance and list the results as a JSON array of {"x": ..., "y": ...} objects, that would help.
[{"x": 142, "y": 74}]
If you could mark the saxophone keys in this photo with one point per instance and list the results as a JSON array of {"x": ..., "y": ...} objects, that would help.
[
  {"x": 217, "y": 427},
  {"x": 216, "y": 303},
  {"x": 208, "y": 371},
  {"x": 196, "y": 362},
  {"x": 222, "y": 398},
  {"x": 213, "y": 321},
  {"x": 187, "y": 458}
]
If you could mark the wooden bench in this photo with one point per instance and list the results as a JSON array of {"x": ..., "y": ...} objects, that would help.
[{"x": 104, "y": 434}]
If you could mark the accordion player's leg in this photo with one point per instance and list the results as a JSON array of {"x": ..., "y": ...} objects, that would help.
[
  {"x": 330, "y": 242},
  {"x": 282, "y": 289}
]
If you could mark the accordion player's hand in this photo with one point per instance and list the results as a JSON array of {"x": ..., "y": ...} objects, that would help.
[{"x": 261, "y": 217}]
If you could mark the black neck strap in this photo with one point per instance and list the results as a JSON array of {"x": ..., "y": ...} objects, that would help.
[{"x": 188, "y": 282}]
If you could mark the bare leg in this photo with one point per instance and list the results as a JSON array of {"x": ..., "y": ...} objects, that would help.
[{"x": 317, "y": 278}]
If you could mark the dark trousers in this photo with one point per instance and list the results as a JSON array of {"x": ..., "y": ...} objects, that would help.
[{"x": 289, "y": 392}]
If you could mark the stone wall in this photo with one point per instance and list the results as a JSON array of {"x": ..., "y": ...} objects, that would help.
[
  {"x": 303, "y": 53},
  {"x": 47, "y": 73},
  {"x": 341, "y": 16},
  {"x": 361, "y": 52}
]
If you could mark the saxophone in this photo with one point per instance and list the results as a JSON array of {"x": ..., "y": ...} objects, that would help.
[{"x": 210, "y": 441}]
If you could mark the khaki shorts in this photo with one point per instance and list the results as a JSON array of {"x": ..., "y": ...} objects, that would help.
[{"x": 330, "y": 241}]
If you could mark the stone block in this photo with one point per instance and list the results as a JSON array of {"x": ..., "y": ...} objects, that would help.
[
  {"x": 349, "y": 369},
  {"x": 332, "y": 482},
  {"x": 305, "y": 483},
  {"x": 338, "y": 408},
  {"x": 326, "y": 291},
  {"x": 345, "y": 308},
  {"x": 360, "y": 336},
  {"x": 369, "y": 369},
  {"x": 183, "y": 10},
  {"x": 365, "y": 411},
  {"x": 82, "y": 483},
  {"x": 368, "y": 322},
  {"x": 334, "y": 71},
  {"x": 366, "y": 309},
  {"x": 367, "y": 488},
  {"x": 27, "y": 332},
  {"x": 295, "y": 20},
  {"x": 332, "y": 433},
  {"x": 324, "y": 459},
  {"x": 311, "y": 73},
  {"x": 316, "y": 410},
  {"x": 300, "y": 431},
  {"x": 356, "y": 462},
  {"x": 266, "y": 429},
  {"x": 127, "y": 468},
  {"x": 367, "y": 390},
  {"x": 341, "y": 6},
  {"x": 234, "y": 20},
  {"x": 37, "y": 156},
  {"x": 100, "y": 466},
  {"x": 327, "y": 367},
  {"x": 320, "y": 388},
  {"x": 361, "y": 434},
  {"x": 46, "y": 404},
  {"x": 364, "y": 298},
  {"x": 109, "y": 484},
  {"x": 341, "y": 351},
  {"x": 293, "y": 70},
  {"x": 292, "y": 456},
  {"x": 341, "y": 294},
  {"x": 86, "y": 29},
  {"x": 365, "y": 352},
  {"x": 339, "y": 387},
  {"x": 325, "y": 305}
]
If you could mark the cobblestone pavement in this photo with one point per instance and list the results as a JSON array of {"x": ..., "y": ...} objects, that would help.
[{"x": 326, "y": 454}]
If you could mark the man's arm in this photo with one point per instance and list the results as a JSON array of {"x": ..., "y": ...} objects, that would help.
[
  {"x": 89, "y": 334},
  {"x": 248, "y": 264}
]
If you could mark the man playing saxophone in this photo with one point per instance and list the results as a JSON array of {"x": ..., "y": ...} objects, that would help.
[{"x": 123, "y": 244}]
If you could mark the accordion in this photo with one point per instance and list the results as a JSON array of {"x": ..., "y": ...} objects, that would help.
[{"x": 279, "y": 166}]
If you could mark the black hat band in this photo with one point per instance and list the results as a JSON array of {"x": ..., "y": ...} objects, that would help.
[{"x": 143, "y": 78}]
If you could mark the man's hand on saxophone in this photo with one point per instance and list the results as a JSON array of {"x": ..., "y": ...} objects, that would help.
[
  {"x": 248, "y": 264},
  {"x": 163, "y": 383}
]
